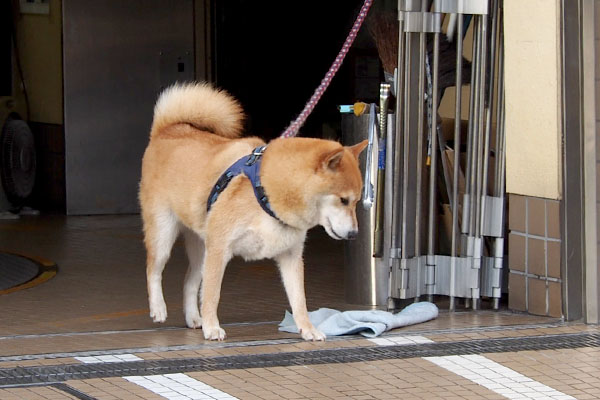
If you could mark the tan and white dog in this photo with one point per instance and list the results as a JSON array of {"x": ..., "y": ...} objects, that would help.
[{"x": 308, "y": 182}]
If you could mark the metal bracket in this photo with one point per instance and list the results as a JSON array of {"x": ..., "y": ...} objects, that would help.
[
  {"x": 477, "y": 252},
  {"x": 416, "y": 276},
  {"x": 491, "y": 277},
  {"x": 461, "y": 6},
  {"x": 464, "y": 228},
  {"x": 410, "y": 5},
  {"x": 466, "y": 278},
  {"x": 493, "y": 216},
  {"x": 407, "y": 279},
  {"x": 395, "y": 252},
  {"x": 430, "y": 274},
  {"x": 427, "y": 22}
]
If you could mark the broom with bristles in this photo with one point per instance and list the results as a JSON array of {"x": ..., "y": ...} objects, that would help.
[{"x": 383, "y": 27}]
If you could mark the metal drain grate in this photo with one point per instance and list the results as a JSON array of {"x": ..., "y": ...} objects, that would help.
[
  {"x": 15, "y": 270},
  {"x": 58, "y": 373}
]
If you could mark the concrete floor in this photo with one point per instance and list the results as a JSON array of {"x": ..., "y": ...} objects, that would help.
[{"x": 96, "y": 306}]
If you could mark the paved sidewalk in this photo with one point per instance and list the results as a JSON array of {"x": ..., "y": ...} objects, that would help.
[{"x": 86, "y": 334}]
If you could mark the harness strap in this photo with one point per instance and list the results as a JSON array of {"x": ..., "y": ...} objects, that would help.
[{"x": 250, "y": 166}]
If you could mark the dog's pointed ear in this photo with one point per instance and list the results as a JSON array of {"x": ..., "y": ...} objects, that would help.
[
  {"x": 332, "y": 160},
  {"x": 358, "y": 148}
]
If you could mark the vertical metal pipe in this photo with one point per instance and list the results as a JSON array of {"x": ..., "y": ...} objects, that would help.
[
  {"x": 479, "y": 188},
  {"x": 397, "y": 193},
  {"x": 396, "y": 169},
  {"x": 420, "y": 132},
  {"x": 474, "y": 133},
  {"x": 434, "y": 151},
  {"x": 457, "y": 144},
  {"x": 478, "y": 148},
  {"x": 406, "y": 142},
  {"x": 496, "y": 303},
  {"x": 489, "y": 107},
  {"x": 502, "y": 129},
  {"x": 497, "y": 242},
  {"x": 466, "y": 215},
  {"x": 499, "y": 173}
]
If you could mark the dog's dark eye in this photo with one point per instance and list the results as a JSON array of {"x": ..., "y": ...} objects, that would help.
[{"x": 344, "y": 201}]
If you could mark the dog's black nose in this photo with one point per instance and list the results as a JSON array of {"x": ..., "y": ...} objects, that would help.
[{"x": 352, "y": 235}]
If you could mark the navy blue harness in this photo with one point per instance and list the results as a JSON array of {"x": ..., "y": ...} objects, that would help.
[{"x": 250, "y": 166}]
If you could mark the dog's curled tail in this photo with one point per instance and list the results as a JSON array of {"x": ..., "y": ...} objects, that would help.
[{"x": 200, "y": 105}]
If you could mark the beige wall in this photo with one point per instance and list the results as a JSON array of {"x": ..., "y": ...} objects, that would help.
[
  {"x": 532, "y": 76},
  {"x": 40, "y": 48}
]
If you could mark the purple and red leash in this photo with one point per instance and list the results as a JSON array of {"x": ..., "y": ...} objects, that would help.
[{"x": 294, "y": 127}]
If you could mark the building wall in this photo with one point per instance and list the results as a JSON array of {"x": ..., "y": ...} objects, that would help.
[
  {"x": 39, "y": 42},
  {"x": 534, "y": 255},
  {"x": 40, "y": 49},
  {"x": 532, "y": 74},
  {"x": 533, "y": 155}
]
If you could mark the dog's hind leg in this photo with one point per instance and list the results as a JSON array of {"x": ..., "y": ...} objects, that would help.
[
  {"x": 161, "y": 229},
  {"x": 194, "y": 247},
  {"x": 291, "y": 267},
  {"x": 215, "y": 261}
]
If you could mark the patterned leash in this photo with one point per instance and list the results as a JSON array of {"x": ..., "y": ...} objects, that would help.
[{"x": 292, "y": 129}]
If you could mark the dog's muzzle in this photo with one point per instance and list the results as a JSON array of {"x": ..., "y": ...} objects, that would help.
[{"x": 352, "y": 235}]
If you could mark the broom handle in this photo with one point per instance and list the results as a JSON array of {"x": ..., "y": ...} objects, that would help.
[
  {"x": 384, "y": 94},
  {"x": 368, "y": 195}
]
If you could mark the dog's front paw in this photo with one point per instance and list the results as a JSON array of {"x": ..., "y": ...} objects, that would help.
[
  {"x": 312, "y": 334},
  {"x": 194, "y": 321},
  {"x": 158, "y": 312},
  {"x": 214, "y": 333}
]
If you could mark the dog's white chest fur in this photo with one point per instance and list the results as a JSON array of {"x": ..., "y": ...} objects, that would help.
[{"x": 266, "y": 240}]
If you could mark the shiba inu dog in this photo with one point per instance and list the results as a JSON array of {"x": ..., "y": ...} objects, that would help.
[{"x": 259, "y": 207}]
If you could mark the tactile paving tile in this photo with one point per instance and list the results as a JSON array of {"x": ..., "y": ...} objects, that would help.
[{"x": 59, "y": 373}]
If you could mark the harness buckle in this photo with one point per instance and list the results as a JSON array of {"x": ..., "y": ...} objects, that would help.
[{"x": 256, "y": 154}]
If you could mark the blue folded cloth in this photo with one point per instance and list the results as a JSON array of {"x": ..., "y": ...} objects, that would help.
[{"x": 369, "y": 323}]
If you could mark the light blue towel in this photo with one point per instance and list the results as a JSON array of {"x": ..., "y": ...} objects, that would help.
[{"x": 369, "y": 323}]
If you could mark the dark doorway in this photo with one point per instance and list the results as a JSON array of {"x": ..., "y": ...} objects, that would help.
[{"x": 273, "y": 55}]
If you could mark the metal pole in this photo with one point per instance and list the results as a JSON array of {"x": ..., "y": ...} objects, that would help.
[
  {"x": 479, "y": 188},
  {"x": 420, "y": 133},
  {"x": 434, "y": 151},
  {"x": 406, "y": 143},
  {"x": 499, "y": 173},
  {"x": 474, "y": 133},
  {"x": 457, "y": 140},
  {"x": 396, "y": 182},
  {"x": 468, "y": 207},
  {"x": 501, "y": 153},
  {"x": 489, "y": 105},
  {"x": 469, "y": 149},
  {"x": 478, "y": 161},
  {"x": 396, "y": 221}
]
